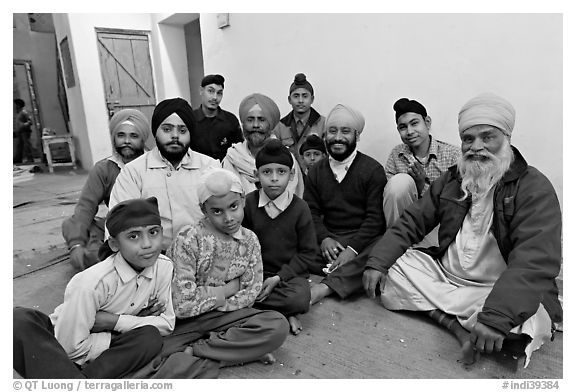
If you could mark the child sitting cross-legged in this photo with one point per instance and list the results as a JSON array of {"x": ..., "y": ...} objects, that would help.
[
  {"x": 217, "y": 276},
  {"x": 283, "y": 223},
  {"x": 114, "y": 312}
]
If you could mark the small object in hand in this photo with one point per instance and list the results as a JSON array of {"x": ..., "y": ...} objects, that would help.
[{"x": 326, "y": 269}]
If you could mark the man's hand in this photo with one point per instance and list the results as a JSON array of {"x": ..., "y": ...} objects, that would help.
[
  {"x": 77, "y": 257},
  {"x": 344, "y": 257},
  {"x": 486, "y": 339},
  {"x": 267, "y": 287},
  {"x": 416, "y": 171},
  {"x": 104, "y": 322},
  {"x": 371, "y": 279},
  {"x": 331, "y": 249},
  {"x": 231, "y": 287},
  {"x": 154, "y": 308}
]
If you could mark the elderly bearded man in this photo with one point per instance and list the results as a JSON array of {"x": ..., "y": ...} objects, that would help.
[
  {"x": 259, "y": 115},
  {"x": 491, "y": 281}
]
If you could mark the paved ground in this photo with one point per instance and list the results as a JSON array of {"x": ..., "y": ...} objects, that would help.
[{"x": 355, "y": 339}]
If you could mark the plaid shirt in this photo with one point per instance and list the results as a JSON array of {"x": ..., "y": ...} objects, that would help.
[{"x": 441, "y": 156}]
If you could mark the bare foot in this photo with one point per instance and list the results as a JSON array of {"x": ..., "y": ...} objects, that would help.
[
  {"x": 295, "y": 325},
  {"x": 319, "y": 291},
  {"x": 469, "y": 354},
  {"x": 267, "y": 359}
]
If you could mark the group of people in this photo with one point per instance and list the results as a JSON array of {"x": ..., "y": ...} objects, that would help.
[{"x": 205, "y": 255}]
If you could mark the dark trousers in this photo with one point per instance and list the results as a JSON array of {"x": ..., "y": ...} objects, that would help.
[
  {"x": 239, "y": 336},
  {"x": 347, "y": 279},
  {"x": 24, "y": 151},
  {"x": 37, "y": 353},
  {"x": 289, "y": 297}
]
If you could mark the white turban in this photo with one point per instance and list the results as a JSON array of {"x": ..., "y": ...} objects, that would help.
[
  {"x": 342, "y": 115},
  {"x": 218, "y": 182},
  {"x": 487, "y": 109}
]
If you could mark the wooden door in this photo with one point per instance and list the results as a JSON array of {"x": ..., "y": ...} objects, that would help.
[{"x": 127, "y": 72}]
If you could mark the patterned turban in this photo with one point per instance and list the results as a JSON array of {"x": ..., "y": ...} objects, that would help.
[
  {"x": 170, "y": 106},
  {"x": 342, "y": 115},
  {"x": 269, "y": 107},
  {"x": 132, "y": 118},
  {"x": 487, "y": 109}
]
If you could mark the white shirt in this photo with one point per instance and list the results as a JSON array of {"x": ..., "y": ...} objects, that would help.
[
  {"x": 341, "y": 168},
  {"x": 275, "y": 207},
  {"x": 112, "y": 286}
]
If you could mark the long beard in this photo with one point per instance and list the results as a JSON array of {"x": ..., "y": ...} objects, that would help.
[
  {"x": 170, "y": 155},
  {"x": 480, "y": 175}
]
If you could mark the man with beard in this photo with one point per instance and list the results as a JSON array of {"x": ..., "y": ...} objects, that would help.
[
  {"x": 491, "y": 280},
  {"x": 170, "y": 171},
  {"x": 83, "y": 231},
  {"x": 258, "y": 115},
  {"x": 216, "y": 129},
  {"x": 344, "y": 193}
]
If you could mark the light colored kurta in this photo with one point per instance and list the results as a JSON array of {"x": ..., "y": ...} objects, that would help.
[
  {"x": 460, "y": 282},
  {"x": 112, "y": 286},
  {"x": 175, "y": 188}
]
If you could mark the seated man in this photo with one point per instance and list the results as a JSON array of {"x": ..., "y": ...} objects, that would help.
[
  {"x": 302, "y": 121},
  {"x": 169, "y": 172},
  {"x": 413, "y": 165},
  {"x": 492, "y": 278},
  {"x": 258, "y": 115},
  {"x": 344, "y": 193},
  {"x": 84, "y": 231}
]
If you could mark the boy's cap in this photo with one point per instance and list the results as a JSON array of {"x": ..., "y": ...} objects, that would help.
[
  {"x": 274, "y": 152},
  {"x": 212, "y": 79},
  {"x": 405, "y": 105},
  {"x": 132, "y": 213},
  {"x": 312, "y": 142},
  {"x": 218, "y": 182}
]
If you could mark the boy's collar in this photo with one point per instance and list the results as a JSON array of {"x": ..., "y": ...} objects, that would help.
[{"x": 126, "y": 272}]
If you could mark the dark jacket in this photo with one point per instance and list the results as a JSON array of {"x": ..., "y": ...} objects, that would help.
[{"x": 527, "y": 225}]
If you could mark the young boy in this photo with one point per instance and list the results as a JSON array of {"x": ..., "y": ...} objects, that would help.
[
  {"x": 217, "y": 276},
  {"x": 114, "y": 312},
  {"x": 312, "y": 151},
  {"x": 283, "y": 223}
]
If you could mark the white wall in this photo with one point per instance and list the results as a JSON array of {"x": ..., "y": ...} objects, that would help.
[{"x": 370, "y": 60}]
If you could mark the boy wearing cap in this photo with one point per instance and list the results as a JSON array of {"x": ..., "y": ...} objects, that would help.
[
  {"x": 413, "y": 165},
  {"x": 217, "y": 277},
  {"x": 216, "y": 129},
  {"x": 283, "y": 223},
  {"x": 303, "y": 119},
  {"x": 312, "y": 151},
  {"x": 114, "y": 312}
]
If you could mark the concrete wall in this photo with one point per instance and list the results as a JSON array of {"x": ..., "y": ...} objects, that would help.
[{"x": 370, "y": 60}]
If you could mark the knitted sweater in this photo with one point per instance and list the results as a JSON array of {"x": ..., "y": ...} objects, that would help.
[
  {"x": 351, "y": 208},
  {"x": 205, "y": 259},
  {"x": 288, "y": 241}
]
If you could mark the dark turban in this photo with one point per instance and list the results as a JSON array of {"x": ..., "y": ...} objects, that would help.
[
  {"x": 405, "y": 105},
  {"x": 212, "y": 79},
  {"x": 269, "y": 107},
  {"x": 313, "y": 142},
  {"x": 170, "y": 106},
  {"x": 301, "y": 82},
  {"x": 132, "y": 213},
  {"x": 274, "y": 152}
]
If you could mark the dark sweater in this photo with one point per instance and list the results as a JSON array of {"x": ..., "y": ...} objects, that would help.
[
  {"x": 288, "y": 242},
  {"x": 350, "y": 209}
]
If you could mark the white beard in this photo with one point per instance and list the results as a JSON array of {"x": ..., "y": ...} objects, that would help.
[{"x": 479, "y": 176}]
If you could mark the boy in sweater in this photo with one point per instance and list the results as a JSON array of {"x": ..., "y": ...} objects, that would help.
[
  {"x": 217, "y": 276},
  {"x": 283, "y": 224},
  {"x": 114, "y": 312}
]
